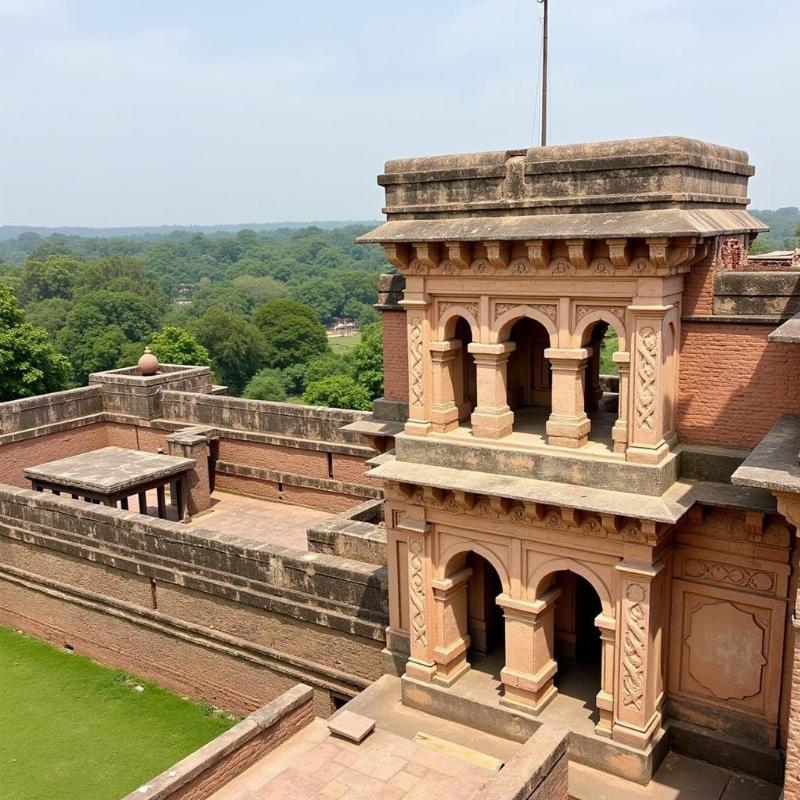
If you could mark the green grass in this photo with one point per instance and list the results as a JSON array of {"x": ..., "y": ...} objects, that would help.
[
  {"x": 344, "y": 344},
  {"x": 72, "y": 729}
]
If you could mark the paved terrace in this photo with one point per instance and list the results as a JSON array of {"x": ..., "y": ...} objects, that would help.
[{"x": 261, "y": 521}]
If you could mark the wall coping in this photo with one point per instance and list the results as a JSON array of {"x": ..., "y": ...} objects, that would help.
[{"x": 203, "y": 759}]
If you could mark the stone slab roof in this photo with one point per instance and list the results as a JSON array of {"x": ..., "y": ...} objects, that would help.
[
  {"x": 788, "y": 333},
  {"x": 619, "y": 224},
  {"x": 774, "y": 464},
  {"x": 109, "y": 469}
]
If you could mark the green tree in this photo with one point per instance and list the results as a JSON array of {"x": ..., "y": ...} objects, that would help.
[
  {"x": 266, "y": 384},
  {"x": 29, "y": 364},
  {"x": 100, "y": 326},
  {"x": 50, "y": 278},
  {"x": 173, "y": 345},
  {"x": 235, "y": 345},
  {"x": 50, "y": 314},
  {"x": 368, "y": 360},
  {"x": 338, "y": 391},
  {"x": 291, "y": 331},
  {"x": 327, "y": 365}
]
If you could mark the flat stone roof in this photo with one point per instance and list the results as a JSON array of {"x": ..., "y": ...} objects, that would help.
[
  {"x": 669, "y": 507},
  {"x": 773, "y": 464},
  {"x": 598, "y": 225},
  {"x": 109, "y": 469}
]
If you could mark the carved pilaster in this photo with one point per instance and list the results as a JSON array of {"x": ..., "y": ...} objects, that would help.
[
  {"x": 418, "y": 422},
  {"x": 421, "y": 664},
  {"x": 639, "y": 680}
]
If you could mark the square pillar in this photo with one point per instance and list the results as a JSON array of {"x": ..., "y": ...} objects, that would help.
[
  {"x": 421, "y": 628},
  {"x": 639, "y": 693},
  {"x": 650, "y": 383},
  {"x": 492, "y": 418},
  {"x": 444, "y": 409},
  {"x": 568, "y": 425},
  {"x": 530, "y": 667},
  {"x": 452, "y": 639},
  {"x": 198, "y": 485},
  {"x": 605, "y": 697},
  {"x": 416, "y": 319},
  {"x": 619, "y": 433}
]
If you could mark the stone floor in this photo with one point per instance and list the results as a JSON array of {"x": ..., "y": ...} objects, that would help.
[
  {"x": 263, "y": 521},
  {"x": 529, "y": 431},
  {"x": 314, "y": 765}
]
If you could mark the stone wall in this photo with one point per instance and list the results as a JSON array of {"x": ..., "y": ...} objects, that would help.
[
  {"x": 734, "y": 384},
  {"x": 791, "y": 790},
  {"x": 539, "y": 771},
  {"x": 208, "y": 769},
  {"x": 191, "y": 609},
  {"x": 395, "y": 355}
]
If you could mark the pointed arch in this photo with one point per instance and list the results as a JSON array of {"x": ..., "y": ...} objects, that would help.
[
  {"x": 590, "y": 319},
  {"x": 579, "y": 568},
  {"x": 462, "y": 548},
  {"x": 448, "y": 319},
  {"x": 504, "y": 322}
]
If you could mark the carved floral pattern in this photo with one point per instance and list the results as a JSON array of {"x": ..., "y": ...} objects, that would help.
[
  {"x": 415, "y": 346},
  {"x": 582, "y": 310},
  {"x": 416, "y": 594},
  {"x": 647, "y": 350},
  {"x": 470, "y": 308},
  {"x": 550, "y": 310},
  {"x": 730, "y": 574},
  {"x": 633, "y": 649}
]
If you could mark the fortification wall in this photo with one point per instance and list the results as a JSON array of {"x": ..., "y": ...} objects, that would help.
[{"x": 191, "y": 609}]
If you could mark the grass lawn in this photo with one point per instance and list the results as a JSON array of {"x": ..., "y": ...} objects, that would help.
[
  {"x": 343, "y": 344},
  {"x": 71, "y": 729},
  {"x": 610, "y": 346}
]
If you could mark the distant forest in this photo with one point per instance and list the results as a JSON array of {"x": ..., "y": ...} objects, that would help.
[
  {"x": 784, "y": 229},
  {"x": 248, "y": 302}
]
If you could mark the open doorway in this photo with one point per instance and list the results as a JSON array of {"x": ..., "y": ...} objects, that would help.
[
  {"x": 485, "y": 622},
  {"x": 528, "y": 378},
  {"x": 577, "y": 646},
  {"x": 601, "y": 382}
]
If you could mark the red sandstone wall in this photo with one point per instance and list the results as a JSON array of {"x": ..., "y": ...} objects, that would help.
[
  {"x": 395, "y": 356},
  {"x": 313, "y": 463},
  {"x": 734, "y": 384}
]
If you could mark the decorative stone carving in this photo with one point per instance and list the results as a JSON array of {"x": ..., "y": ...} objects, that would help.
[
  {"x": 642, "y": 266},
  {"x": 415, "y": 348},
  {"x": 602, "y": 266},
  {"x": 583, "y": 310},
  {"x": 416, "y": 590},
  {"x": 647, "y": 351},
  {"x": 633, "y": 649},
  {"x": 726, "y": 651},
  {"x": 730, "y": 574},
  {"x": 550, "y": 310},
  {"x": 732, "y": 254},
  {"x": 470, "y": 308},
  {"x": 562, "y": 266}
]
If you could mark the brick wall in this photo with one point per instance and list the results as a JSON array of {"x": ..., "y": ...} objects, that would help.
[
  {"x": 203, "y": 772},
  {"x": 734, "y": 384},
  {"x": 395, "y": 356}
]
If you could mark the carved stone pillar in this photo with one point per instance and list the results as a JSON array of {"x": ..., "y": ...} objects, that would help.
[
  {"x": 421, "y": 663},
  {"x": 492, "y": 418},
  {"x": 639, "y": 681},
  {"x": 444, "y": 409},
  {"x": 593, "y": 389},
  {"x": 530, "y": 667},
  {"x": 568, "y": 425},
  {"x": 418, "y": 422},
  {"x": 619, "y": 433},
  {"x": 789, "y": 506},
  {"x": 452, "y": 639},
  {"x": 649, "y": 381},
  {"x": 605, "y": 697}
]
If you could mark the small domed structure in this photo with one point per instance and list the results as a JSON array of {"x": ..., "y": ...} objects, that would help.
[{"x": 148, "y": 363}]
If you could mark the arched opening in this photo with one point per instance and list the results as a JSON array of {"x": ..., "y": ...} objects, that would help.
[
  {"x": 577, "y": 643},
  {"x": 466, "y": 382},
  {"x": 528, "y": 379},
  {"x": 485, "y": 623},
  {"x": 601, "y": 390}
]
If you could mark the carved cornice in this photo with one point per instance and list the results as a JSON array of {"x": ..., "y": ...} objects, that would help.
[{"x": 530, "y": 514}]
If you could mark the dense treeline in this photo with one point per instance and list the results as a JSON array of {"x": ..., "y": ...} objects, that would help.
[
  {"x": 252, "y": 305},
  {"x": 784, "y": 229}
]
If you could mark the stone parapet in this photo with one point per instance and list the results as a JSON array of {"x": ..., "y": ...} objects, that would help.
[
  {"x": 50, "y": 409},
  {"x": 208, "y": 769}
]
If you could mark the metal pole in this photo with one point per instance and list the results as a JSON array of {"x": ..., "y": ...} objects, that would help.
[{"x": 544, "y": 75}]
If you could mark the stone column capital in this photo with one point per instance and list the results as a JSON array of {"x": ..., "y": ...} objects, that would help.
[
  {"x": 442, "y": 348},
  {"x": 621, "y": 358},
  {"x": 496, "y": 350},
  {"x": 563, "y": 356}
]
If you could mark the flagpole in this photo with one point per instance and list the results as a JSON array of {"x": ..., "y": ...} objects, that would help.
[{"x": 543, "y": 137}]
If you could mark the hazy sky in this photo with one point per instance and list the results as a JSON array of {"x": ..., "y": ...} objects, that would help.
[{"x": 141, "y": 112}]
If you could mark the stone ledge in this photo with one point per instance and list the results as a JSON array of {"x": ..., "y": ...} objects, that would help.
[
  {"x": 291, "y": 479},
  {"x": 773, "y": 464},
  {"x": 788, "y": 333},
  {"x": 200, "y": 763}
]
